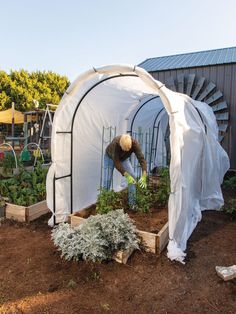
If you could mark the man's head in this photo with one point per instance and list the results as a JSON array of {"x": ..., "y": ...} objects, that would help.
[{"x": 125, "y": 142}]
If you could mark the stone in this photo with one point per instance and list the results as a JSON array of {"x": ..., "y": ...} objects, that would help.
[{"x": 226, "y": 273}]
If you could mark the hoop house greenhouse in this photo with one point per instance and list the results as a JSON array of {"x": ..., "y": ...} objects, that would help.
[{"x": 128, "y": 98}]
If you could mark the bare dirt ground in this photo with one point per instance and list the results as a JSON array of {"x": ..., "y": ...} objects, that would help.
[
  {"x": 152, "y": 221},
  {"x": 34, "y": 279}
]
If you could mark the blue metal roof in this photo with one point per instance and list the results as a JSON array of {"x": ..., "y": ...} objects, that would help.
[{"x": 190, "y": 60}]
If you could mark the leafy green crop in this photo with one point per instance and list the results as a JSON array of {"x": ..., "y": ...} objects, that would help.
[
  {"x": 26, "y": 188},
  {"x": 108, "y": 200},
  {"x": 230, "y": 183},
  {"x": 144, "y": 199},
  {"x": 9, "y": 161},
  {"x": 230, "y": 207},
  {"x": 157, "y": 195},
  {"x": 161, "y": 195}
]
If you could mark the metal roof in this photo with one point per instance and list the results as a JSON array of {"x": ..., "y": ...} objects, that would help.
[{"x": 190, "y": 60}]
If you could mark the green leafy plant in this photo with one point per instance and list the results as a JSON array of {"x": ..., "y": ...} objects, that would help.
[
  {"x": 93, "y": 276},
  {"x": 98, "y": 238},
  {"x": 162, "y": 192},
  {"x": 144, "y": 200},
  {"x": 72, "y": 284},
  {"x": 8, "y": 163},
  {"x": 47, "y": 156},
  {"x": 25, "y": 188},
  {"x": 154, "y": 195},
  {"x": 230, "y": 207},
  {"x": 108, "y": 200},
  {"x": 230, "y": 182}
]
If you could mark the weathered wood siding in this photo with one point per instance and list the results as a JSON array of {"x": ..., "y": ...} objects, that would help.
[{"x": 224, "y": 76}]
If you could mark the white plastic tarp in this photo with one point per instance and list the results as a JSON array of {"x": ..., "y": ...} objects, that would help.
[
  {"x": 110, "y": 96},
  {"x": 198, "y": 164}
]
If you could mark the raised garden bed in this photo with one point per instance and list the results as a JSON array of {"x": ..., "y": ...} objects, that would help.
[
  {"x": 149, "y": 214},
  {"x": 26, "y": 213},
  {"x": 152, "y": 227},
  {"x": 24, "y": 194}
]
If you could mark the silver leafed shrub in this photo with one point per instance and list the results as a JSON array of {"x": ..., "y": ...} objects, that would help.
[{"x": 98, "y": 238}]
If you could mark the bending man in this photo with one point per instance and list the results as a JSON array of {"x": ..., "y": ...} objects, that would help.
[{"x": 117, "y": 155}]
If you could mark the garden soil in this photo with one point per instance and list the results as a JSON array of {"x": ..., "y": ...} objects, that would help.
[
  {"x": 34, "y": 279},
  {"x": 150, "y": 222}
]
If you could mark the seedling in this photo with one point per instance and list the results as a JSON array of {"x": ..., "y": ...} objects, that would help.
[{"x": 72, "y": 284}]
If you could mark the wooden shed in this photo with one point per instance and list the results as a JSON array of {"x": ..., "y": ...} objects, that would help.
[{"x": 208, "y": 76}]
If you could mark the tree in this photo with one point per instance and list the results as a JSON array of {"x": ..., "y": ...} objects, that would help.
[{"x": 22, "y": 88}]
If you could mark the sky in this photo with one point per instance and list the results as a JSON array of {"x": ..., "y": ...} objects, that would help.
[{"x": 71, "y": 36}]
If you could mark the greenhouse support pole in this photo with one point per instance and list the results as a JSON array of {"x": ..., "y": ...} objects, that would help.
[
  {"x": 13, "y": 122},
  {"x": 101, "y": 174},
  {"x": 72, "y": 125},
  {"x": 25, "y": 130}
]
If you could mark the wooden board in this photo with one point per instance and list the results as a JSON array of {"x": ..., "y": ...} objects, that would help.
[
  {"x": 163, "y": 238},
  {"x": 122, "y": 256},
  {"x": 36, "y": 210},
  {"x": 148, "y": 241},
  {"x": 26, "y": 214},
  {"x": 15, "y": 212},
  {"x": 76, "y": 220}
]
